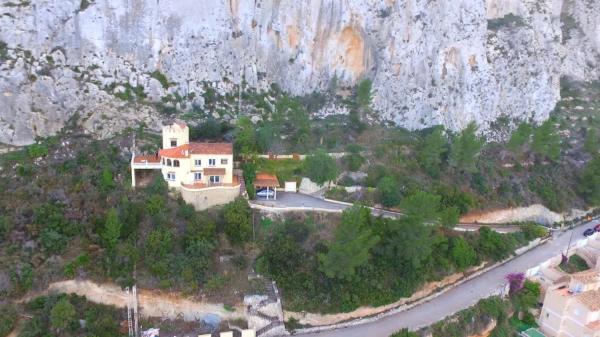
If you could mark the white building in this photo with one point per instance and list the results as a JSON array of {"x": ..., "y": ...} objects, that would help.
[{"x": 202, "y": 172}]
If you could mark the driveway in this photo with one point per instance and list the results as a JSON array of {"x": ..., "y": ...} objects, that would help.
[
  {"x": 287, "y": 199},
  {"x": 461, "y": 297},
  {"x": 294, "y": 200}
]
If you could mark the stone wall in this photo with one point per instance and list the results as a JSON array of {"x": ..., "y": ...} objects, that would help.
[{"x": 202, "y": 199}]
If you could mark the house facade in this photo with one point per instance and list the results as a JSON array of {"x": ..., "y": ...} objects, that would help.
[
  {"x": 202, "y": 172},
  {"x": 572, "y": 306}
]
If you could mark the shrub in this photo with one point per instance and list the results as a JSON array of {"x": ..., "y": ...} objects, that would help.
[
  {"x": 62, "y": 314},
  {"x": 533, "y": 231},
  {"x": 238, "y": 227},
  {"x": 8, "y": 319},
  {"x": 461, "y": 252},
  {"x": 320, "y": 167},
  {"x": 389, "y": 191},
  {"x": 37, "y": 150},
  {"x": 160, "y": 77}
]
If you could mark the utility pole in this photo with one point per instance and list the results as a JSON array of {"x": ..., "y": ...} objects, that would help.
[
  {"x": 565, "y": 257},
  {"x": 240, "y": 86}
]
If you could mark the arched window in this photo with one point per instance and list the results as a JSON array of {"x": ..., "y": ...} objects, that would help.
[
  {"x": 168, "y": 162},
  {"x": 176, "y": 163}
]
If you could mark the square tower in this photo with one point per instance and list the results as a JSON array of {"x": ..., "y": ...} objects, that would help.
[{"x": 175, "y": 134}]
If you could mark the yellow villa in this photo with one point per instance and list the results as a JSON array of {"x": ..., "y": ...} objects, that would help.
[
  {"x": 572, "y": 306},
  {"x": 202, "y": 172}
]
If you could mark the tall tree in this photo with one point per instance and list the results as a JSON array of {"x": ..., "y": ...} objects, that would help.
[
  {"x": 363, "y": 93},
  {"x": 465, "y": 148},
  {"x": 431, "y": 152},
  {"x": 238, "y": 225},
  {"x": 320, "y": 167},
  {"x": 546, "y": 140},
  {"x": 519, "y": 137},
  {"x": 351, "y": 246},
  {"x": 62, "y": 314},
  {"x": 592, "y": 142},
  {"x": 112, "y": 229},
  {"x": 421, "y": 206},
  {"x": 589, "y": 181},
  {"x": 389, "y": 191},
  {"x": 245, "y": 139},
  {"x": 463, "y": 255}
]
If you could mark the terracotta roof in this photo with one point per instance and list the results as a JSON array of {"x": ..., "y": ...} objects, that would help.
[
  {"x": 265, "y": 180},
  {"x": 146, "y": 159},
  {"x": 587, "y": 276},
  {"x": 591, "y": 299},
  {"x": 185, "y": 150},
  {"x": 595, "y": 325},
  {"x": 180, "y": 124},
  {"x": 175, "y": 122},
  {"x": 214, "y": 171}
]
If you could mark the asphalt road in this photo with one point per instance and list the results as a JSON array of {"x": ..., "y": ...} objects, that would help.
[{"x": 461, "y": 297}]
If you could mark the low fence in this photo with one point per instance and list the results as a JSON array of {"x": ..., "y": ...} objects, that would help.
[
  {"x": 292, "y": 209},
  {"x": 295, "y": 156},
  {"x": 556, "y": 260}
]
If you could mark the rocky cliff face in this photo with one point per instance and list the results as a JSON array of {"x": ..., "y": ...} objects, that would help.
[{"x": 431, "y": 61}]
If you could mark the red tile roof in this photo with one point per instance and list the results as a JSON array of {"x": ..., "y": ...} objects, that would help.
[
  {"x": 591, "y": 299},
  {"x": 197, "y": 148},
  {"x": 265, "y": 180},
  {"x": 146, "y": 159}
]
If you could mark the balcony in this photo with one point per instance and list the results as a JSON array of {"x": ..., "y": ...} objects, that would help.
[{"x": 146, "y": 162}]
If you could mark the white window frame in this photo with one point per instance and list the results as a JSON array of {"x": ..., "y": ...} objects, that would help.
[
  {"x": 215, "y": 179},
  {"x": 197, "y": 162},
  {"x": 224, "y": 161},
  {"x": 212, "y": 162},
  {"x": 171, "y": 176},
  {"x": 197, "y": 176},
  {"x": 173, "y": 140}
]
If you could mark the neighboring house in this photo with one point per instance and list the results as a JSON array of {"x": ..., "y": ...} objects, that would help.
[
  {"x": 202, "y": 172},
  {"x": 572, "y": 306}
]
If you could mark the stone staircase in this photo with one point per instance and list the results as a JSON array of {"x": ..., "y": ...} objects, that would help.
[{"x": 265, "y": 313}]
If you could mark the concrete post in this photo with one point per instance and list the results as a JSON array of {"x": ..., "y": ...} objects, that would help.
[{"x": 132, "y": 170}]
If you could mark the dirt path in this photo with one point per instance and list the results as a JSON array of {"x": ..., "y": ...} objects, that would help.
[
  {"x": 152, "y": 303},
  {"x": 535, "y": 212}
]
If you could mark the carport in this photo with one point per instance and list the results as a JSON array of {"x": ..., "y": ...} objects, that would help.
[{"x": 268, "y": 181}]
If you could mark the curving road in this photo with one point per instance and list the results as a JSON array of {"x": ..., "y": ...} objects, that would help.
[{"x": 461, "y": 297}]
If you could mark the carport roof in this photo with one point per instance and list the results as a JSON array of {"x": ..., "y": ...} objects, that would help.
[{"x": 265, "y": 180}]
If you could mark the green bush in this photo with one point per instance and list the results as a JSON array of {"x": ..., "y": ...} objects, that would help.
[
  {"x": 389, "y": 192},
  {"x": 37, "y": 150},
  {"x": 8, "y": 319},
  {"x": 160, "y": 77},
  {"x": 238, "y": 223},
  {"x": 320, "y": 167}
]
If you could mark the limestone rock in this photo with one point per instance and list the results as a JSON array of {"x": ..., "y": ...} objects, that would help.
[{"x": 431, "y": 61}]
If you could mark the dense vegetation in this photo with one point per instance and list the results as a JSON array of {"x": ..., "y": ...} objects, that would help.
[
  {"x": 70, "y": 315},
  {"x": 71, "y": 213},
  {"x": 375, "y": 261}
]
